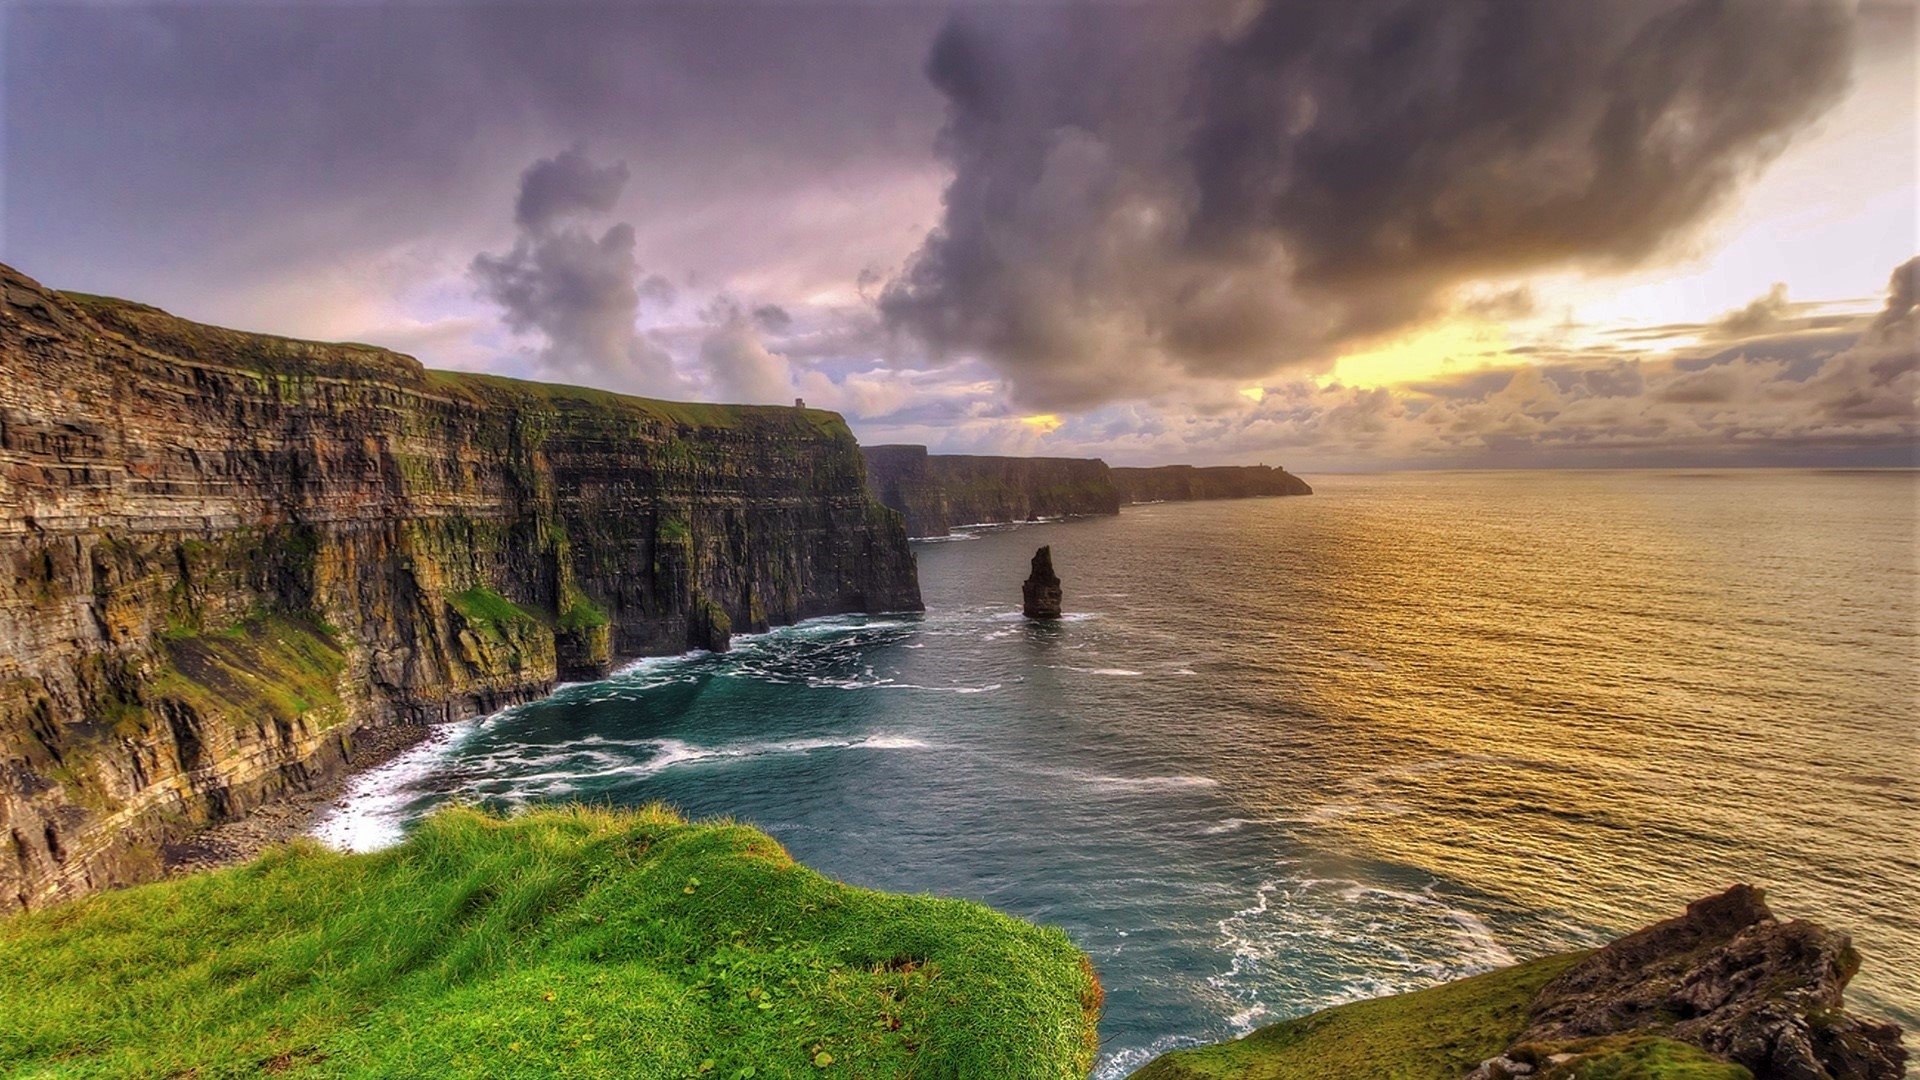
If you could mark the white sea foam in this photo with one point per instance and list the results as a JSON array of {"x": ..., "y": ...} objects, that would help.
[
  {"x": 371, "y": 813},
  {"x": 1410, "y": 939},
  {"x": 1126, "y": 1062},
  {"x": 674, "y": 752},
  {"x": 1142, "y": 783}
]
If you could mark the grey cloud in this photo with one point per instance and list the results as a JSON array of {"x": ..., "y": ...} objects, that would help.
[
  {"x": 772, "y": 318},
  {"x": 738, "y": 363},
  {"x": 567, "y": 183},
  {"x": 580, "y": 292},
  {"x": 1765, "y": 313},
  {"x": 1145, "y": 195},
  {"x": 1714, "y": 385}
]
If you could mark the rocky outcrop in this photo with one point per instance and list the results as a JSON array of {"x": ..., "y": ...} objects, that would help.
[
  {"x": 1040, "y": 593},
  {"x": 1183, "y": 483},
  {"x": 1727, "y": 978},
  {"x": 223, "y": 554},
  {"x": 935, "y": 492}
]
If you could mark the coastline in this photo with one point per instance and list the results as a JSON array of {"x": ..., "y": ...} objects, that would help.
[{"x": 231, "y": 843}]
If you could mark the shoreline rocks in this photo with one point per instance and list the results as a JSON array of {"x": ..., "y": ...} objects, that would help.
[{"x": 1727, "y": 978}]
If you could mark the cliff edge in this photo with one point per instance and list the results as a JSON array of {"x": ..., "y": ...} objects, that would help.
[
  {"x": 225, "y": 553},
  {"x": 1722, "y": 992}
]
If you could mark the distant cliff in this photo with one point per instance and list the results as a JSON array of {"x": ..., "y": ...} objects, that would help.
[
  {"x": 935, "y": 492},
  {"x": 1180, "y": 483},
  {"x": 225, "y": 553}
]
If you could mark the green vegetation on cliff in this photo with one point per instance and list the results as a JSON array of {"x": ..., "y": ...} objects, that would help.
[
  {"x": 558, "y": 943},
  {"x": 277, "y": 666},
  {"x": 1436, "y": 1034},
  {"x": 491, "y": 612}
]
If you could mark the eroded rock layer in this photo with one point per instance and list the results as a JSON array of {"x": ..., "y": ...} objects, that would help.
[{"x": 221, "y": 554}]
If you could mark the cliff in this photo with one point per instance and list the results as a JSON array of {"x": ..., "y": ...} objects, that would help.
[
  {"x": 1722, "y": 992},
  {"x": 935, "y": 492},
  {"x": 558, "y": 943},
  {"x": 1181, "y": 483},
  {"x": 225, "y": 553}
]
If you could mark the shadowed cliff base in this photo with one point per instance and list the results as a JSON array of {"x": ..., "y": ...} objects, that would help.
[
  {"x": 232, "y": 555},
  {"x": 1722, "y": 992},
  {"x": 936, "y": 493}
]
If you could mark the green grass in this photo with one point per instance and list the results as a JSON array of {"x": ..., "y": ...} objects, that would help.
[
  {"x": 491, "y": 613},
  {"x": 573, "y": 942},
  {"x": 1629, "y": 1057},
  {"x": 271, "y": 355},
  {"x": 275, "y": 665},
  {"x": 519, "y": 393},
  {"x": 1436, "y": 1034},
  {"x": 582, "y": 613}
]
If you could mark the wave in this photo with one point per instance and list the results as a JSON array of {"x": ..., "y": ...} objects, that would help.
[
  {"x": 1143, "y": 783},
  {"x": 371, "y": 813},
  {"x": 1350, "y": 940},
  {"x": 1127, "y": 1062}
]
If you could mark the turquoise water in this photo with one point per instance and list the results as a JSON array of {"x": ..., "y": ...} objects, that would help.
[{"x": 1290, "y": 752}]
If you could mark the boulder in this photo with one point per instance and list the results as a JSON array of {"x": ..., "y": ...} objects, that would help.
[{"x": 1730, "y": 979}]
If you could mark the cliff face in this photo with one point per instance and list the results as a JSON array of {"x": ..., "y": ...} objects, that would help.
[
  {"x": 935, "y": 492},
  {"x": 221, "y": 554},
  {"x": 1180, "y": 483}
]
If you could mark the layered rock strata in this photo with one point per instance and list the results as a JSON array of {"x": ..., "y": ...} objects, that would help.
[
  {"x": 935, "y": 492},
  {"x": 223, "y": 554}
]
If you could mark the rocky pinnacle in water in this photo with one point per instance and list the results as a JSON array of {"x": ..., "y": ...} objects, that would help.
[{"x": 1041, "y": 592}]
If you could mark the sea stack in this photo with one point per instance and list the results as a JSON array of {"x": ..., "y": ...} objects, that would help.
[{"x": 1041, "y": 592}]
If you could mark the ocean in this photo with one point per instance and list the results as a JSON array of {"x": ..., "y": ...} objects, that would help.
[{"x": 1289, "y": 752}]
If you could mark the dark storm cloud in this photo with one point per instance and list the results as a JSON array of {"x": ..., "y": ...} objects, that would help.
[
  {"x": 581, "y": 293},
  {"x": 1150, "y": 194}
]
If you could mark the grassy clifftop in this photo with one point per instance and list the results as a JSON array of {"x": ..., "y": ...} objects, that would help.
[
  {"x": 1436, "y": 1034},
  {"x": 559, "y": 943},
  {"x": 275, "y": 356}
]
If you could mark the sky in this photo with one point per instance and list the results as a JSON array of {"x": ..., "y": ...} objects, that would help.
[{"x": 1328, "y": 234}]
